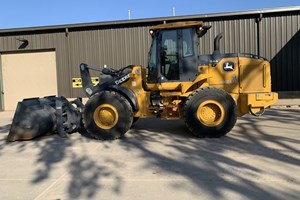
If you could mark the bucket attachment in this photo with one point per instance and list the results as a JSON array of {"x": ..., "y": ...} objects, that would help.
[{"x": 39, "y": 116}]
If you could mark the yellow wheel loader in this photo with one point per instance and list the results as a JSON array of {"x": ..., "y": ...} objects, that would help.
[{"x": 207, "y": 91}]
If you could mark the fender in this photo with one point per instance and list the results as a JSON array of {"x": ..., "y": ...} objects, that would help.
[
  {"x": 128, "y": 94},
  {"x": 186, "y": 86}
]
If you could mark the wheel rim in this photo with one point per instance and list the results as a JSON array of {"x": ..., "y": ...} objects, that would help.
[
  {"x": 106, "y": 116},
  {"x": 210, "y": 113}
]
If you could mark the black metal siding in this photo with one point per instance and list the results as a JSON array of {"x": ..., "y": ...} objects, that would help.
[
  {"x": 117, "y": 47},
  {"x": 239, "y": 35},
  {"x": 43, "y": 42},
  {"x": 280, "y": 43}
]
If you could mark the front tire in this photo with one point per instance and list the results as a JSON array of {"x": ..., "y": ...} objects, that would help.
[
  {"x": 107, "y": 115},
  {"x": 210, "y": 112}
]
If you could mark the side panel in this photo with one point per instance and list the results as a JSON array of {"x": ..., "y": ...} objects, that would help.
[
  {"x": 255, "y": 75},
  {"x": 135, "y": 84},
  {"x": 27, "y": 75},
  {"x": 225, "y": 75}
]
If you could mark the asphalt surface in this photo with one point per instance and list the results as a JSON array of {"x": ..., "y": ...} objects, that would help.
[{"x": 258, "y": 159}]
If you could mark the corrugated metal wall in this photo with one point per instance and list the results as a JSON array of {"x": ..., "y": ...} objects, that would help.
[
  {"x": 116, "y": 48},
  {"x": 239, "y": 35},
  {"x": 280, "y": 43},
  {"x": 42, "y": 42},
  {"x": 275, "y": 37}
]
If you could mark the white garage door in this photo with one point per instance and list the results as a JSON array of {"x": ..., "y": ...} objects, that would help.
[{"x": 27, "y": 75}]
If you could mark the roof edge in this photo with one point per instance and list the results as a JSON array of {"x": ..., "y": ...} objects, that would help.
[{"x": 149, "y": 20}]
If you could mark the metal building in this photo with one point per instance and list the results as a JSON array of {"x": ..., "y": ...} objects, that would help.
[{"x": 43, "y": 61}]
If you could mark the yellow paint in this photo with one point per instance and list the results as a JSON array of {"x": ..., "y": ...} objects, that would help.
[
  {"x": 106, "y": 116},
  {"x": 258, "y": 101},
  {"x": 168, "y": 86},
  {"x": 249, "y": 84},
  {"x": 77, "y": 82},
  {"x": 228, "y": 81},
  {"x": 210, "y": 113},
  {"x": 135, "y": 84},
  {"x": 186, "y": 86},
  {"x": 255, "y": 75},
  {"x": 177, "y": 25}
]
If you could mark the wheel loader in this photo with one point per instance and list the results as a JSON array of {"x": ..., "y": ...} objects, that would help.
[{"x": 208, "y": 92}]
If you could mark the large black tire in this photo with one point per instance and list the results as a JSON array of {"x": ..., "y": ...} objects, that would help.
[
  {"x": 210, "y": 112},
  {"x": 107, "y": 115}
]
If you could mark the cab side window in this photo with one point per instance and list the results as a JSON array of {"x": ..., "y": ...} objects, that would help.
[
  {"x": 169, "y": 55},
  {"x": 187, "y": 43}
]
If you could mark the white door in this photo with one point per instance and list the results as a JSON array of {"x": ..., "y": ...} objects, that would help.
[{"x": 27, "y": 75}]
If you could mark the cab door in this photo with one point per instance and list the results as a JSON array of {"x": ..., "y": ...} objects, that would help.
[
  {"x": 169, "y": 55},
  {"x": 164, "y": 65}
]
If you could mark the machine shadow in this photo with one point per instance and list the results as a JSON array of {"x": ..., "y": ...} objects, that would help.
[
  {"x": 170, "y": 150},
  {"x": 208, "y": 163},
  {"x": 84, "y": 174},
  {"x": 287, "y": 77},
  {"x": 56, "y": 157},
  {"x": 5, "y": 128}
]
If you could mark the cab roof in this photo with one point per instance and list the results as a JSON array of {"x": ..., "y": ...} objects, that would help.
[
  {"x": 178, "y": 25},
  {"x": 201, "y": 29}
]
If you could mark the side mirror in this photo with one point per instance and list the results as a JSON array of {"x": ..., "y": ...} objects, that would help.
[{"x": 202, "y": 30}]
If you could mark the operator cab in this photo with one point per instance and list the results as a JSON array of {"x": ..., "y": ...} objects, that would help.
[{"x": 173, "y": 56}]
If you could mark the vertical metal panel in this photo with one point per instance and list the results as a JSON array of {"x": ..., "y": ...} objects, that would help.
[
  {"x": 239, "y": 35},
  {"x": 114, "y": 47},
  {"x": 43, "y": 41},
  {"x": 280, "y": 43}
]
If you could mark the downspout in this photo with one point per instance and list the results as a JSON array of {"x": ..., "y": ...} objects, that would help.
[
  {"x": 1, "y": 87},
  {"x": 1, "y": 83},
  {"x": 68, "y": 54},
  {"x": 258, "y": 20}
]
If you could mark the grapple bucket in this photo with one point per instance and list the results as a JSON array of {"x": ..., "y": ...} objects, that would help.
[{"x": 39, "y": 116}]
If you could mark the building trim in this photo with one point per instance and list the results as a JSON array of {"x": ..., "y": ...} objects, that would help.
[{"x": 148, "y": 20}]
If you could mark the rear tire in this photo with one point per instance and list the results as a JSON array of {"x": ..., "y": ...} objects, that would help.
[
  {"x": 107, "y": 115},
  {"x": 210, "y": 112}
]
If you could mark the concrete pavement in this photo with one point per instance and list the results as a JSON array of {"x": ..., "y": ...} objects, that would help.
[{"x": 258, "y": 159}]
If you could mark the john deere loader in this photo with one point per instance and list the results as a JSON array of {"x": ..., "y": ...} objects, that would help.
[{"x": 208, "y": 92}]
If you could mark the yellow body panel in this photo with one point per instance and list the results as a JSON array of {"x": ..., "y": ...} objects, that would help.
[
  {"x": 229, "y": 81},
  {"x": 256, "y": 102},
  {"x": 168, "y": 90},
  {"x": 135, "y": 83},
  {"x": 169, "y": 86},
  {"x": 255, "y": 75},
  {"x": 249, "y": 84}
]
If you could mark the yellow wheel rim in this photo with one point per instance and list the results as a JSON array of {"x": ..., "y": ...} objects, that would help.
[
  {"x": 106, "y": 116},
  {"x": 210, "y": 113}
]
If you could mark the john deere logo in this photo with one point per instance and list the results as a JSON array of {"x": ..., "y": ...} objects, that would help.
[
  {"x": 228, "y": 66},
  {"x": 123, "y": 79}
]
